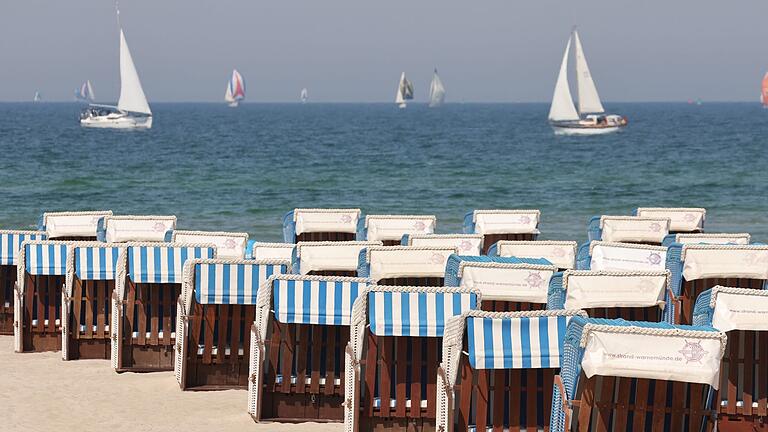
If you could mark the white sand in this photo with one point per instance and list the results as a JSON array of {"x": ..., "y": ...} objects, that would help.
[{"x": 40, "y": 392}]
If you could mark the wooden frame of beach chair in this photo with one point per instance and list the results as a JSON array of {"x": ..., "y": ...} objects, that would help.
[
  {"x": 698, "y": 267},
  {"x": 135, "y": 228},
  {"x": 40, "y": 278},
  {"x": 144, "y": 314},
  {"x": 628, "y": 229},
  {"x": 682, "y": 219},
  {"x": 328, "y": 258},
  {"x": 610, "y": 256},
  {"x": 497, "y": 367},
  {"x": 390, "y": 229},
  {"x": 395, "y": 344},
  {"x": 404, "y": 265},
  {"x": 498, "y": 225},
  {"x": 218, "y": 305},
  {"x": 560, "y": 253},
  {"x": 86, "y": 306},
  {"x": 635, "y": 376},
  {"x": 71, "y": 226},
  {"x": 10, "y": 244},
  {"x": 708, "y": 238},
  {"x": 742, "y": 401},
  {"x": 300, "y": 335},
  {"x": 466, "y": 244},
  {"x": 508, "y": 284},
  {"x": 228, "y": 244},
  {"x": 630, "y": 295},
  {"x": 313, "y": 224}
]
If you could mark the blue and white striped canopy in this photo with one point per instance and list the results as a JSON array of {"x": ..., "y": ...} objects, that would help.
[
  {"x": 95, "y": 262},
  {"x": 44, "y": 258},
  {"x": 220, "y": 283},
  {"x": 10, "y": 244},
  {"x": 308, "y": 301},
  {"x": 403, "y": 313},
  {"x": 162, "y": 264},
  {"x": 516, "y": 342}
]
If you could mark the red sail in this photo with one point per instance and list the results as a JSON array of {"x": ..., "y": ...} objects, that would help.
[{"x": 764, "y": 91}]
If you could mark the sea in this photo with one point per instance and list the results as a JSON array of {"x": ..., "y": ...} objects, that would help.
[{"x": 218, "y": 168}]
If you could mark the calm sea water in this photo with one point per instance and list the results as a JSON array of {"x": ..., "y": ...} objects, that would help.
[{"x": 218, "y": 168}]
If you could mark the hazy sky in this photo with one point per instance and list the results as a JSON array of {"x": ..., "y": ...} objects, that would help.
[{"x": 353, "y": 50}]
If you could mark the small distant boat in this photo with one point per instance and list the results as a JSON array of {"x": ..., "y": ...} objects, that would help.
[
  {"x": 37, "y": 97},
  {"x": 304, "y": 95},
  {"x": 436, "y": 91},
  {"x": 404, "y": 91},
  {"x": 132, "y": 110},
  {"x": 85, "y": 92},
  {"x": 764, "y": 91},
  {"x": 590, "y": 119},
  {"x": 235, "y": 89}
]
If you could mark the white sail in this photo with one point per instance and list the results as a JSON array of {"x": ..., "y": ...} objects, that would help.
[
  {"x": 304, "y": 95},
  {"x": 399, "y": 99},
  {"x": 436, "y": 91},
  {"x": 91, "y": 94},
  {"x": 132, "y": 98},
  {"x": 562, "y": 108},
  {"x": 37, "y": 97},
  {"x": 228, "y": 94},
  {"x": 589, "y": 100}
]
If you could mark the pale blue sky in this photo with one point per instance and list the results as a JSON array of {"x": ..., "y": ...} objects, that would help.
[{"x": 351, "y": 50}]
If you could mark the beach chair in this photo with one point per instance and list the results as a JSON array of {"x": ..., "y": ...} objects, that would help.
[
  {"x": 133, "y": 228},
  {"x": 742, "y": 402},
  {"x": 609, "y": 256},
  {"x": 10, "y": 244},
  {"x": 466, "y": 244},
  {"x": 40, "y": 275},
  {"x": 404, "y": 265},
  {"x": 507, "y": 284},
  {"x": 395, "y": 345},
  {"x": 498, "y": 369},
  {"x": 560, "y": 253},
  {"x": 698, "y": 267},
  {"x": 67, "y": 226},
  {"x": 144, "y": 314},
  {"x": 261, "y": 250},
  {"x": 631, "y": 295},
  {"x": 682, "y": 220},
  {"x": 390, "y": 229},
  {"x": 86, "y": 307},
  {"x": 328, "y": 258},
  {"x": 217, "y": 308},
  {"x": 708, "y": 238},
  {"x": 496, "y": 225},
  {"x": 618, "y": 375},
  {"x": 628, "y": 229},
  {"x": 301, "y": 225},
  {"x": 228, "y": 244},
  {"x": 297, "y": 364}
]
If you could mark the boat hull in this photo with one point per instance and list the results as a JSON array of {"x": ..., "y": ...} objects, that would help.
[
  {"x": 576, "y": 130},
  {"x": 113, "y": 122}
]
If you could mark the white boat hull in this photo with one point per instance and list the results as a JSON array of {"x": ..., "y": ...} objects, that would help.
[
  {"x": 570, "y": 130},
  {"x": 117, "y": 122},
  {"x": 234, "y": 104},
  {"x": 401, "y": 105}
]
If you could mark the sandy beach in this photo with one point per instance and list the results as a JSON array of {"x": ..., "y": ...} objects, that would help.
[{"x": 40, "y": 392}]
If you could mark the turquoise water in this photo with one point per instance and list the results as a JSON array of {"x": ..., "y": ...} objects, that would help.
[{"x": 218, "y": 168}]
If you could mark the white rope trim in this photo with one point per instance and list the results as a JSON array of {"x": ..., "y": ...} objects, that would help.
[
  {"x": 733, "y": 290},
  {"x": 210, "y": 234},
  {"x": 595, "y": 243},
  {"x": 617, "y": 273},
  {"x": 273, "y": 245},
  {"x": 10, "y": 231},
  {"x": 681, "y": 236},
  {"x": 703, "y": 211},
  {"x": 325, "y": 210},
  {"x": 501, "y": 265},
  {"x": 648, "y": 331},
  {"x": 665, "y": 220},
  {"x": 444, "y": 236},
  {"x": 537, "y": 212},
  {"x": 76, "y": 213},
  {"x": 404, "y": 217},
  {"x": 340, "y": 244},
  {"x": 697, "y": 246},
  {"x": 406, "y": 248}
]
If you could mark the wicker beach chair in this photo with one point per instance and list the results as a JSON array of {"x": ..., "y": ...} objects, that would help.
[
  {"x": 682, "y": 220},
  {"x": 10, "y": 245},
  {"x": 742, "y": 402},
  {"x": 297, "y": 364},
  {"x": 618, "y": 375},
  {"x": 301, "y": 225},
  {"x": 228, "y": 244},
  {"x": 390, "y": 229},
  {"x": 144, "y": 314},
  {"x": 466, "y": 244},
  {"x": 68, "y": 226},
  {"x": 392, "y": 359},
  {"x": 628, "y": 229},
  {"x": 708, "y": 238},
  {"x": 507, "y": 284},
  {"x": 698, "y": 267},
  {"x": 599, "y": 255},
  {"x": 496, "y": 225},
  {"x": 328, "y": 258},
  {"x": 135, "y": 228},
  {"x": 560, "y": 253},
  {"x": 498, "y": 368},
  {"x": 217, "y": 308},
  {"x": 631, "y": 295},
  {"x": 262, "y": 250},
  {"x": 404, "y": 265}
]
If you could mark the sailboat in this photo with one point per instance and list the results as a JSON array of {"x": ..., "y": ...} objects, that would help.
[
  {"x": 404, "y": 91},
  {"x": 304, "y": 95},
  {"x": 436, "y": 91},
  {"x": 235, "y": 89},
  {"x": 85, "y": 92},
  {"x": 590, "y": 119},
  {"x": 37, "y": 97},
  {"x": 764, "y": 91},
  {"x": 132, "y": 110}
]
